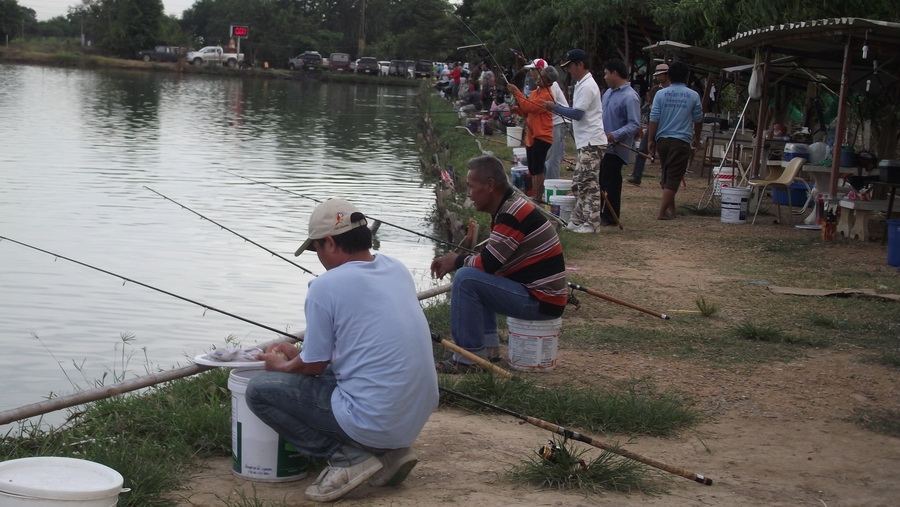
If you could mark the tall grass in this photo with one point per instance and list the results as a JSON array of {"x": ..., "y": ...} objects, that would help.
[
  {"x": 569, "y": 468},
  {"x": 150, "y": 438},
  {"x": 635, "y": 409}
]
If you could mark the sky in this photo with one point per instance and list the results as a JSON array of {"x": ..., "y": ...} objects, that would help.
[{"x": 47, "y": 9}]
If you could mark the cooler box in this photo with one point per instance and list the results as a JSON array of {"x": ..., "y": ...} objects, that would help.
[{"x": 798, "y": 191}]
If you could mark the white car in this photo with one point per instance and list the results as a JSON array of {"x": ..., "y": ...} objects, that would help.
[{"x": 214, "y": 54}]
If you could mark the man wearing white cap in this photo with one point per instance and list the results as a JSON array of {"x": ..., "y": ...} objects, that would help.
[
  {"x": 364, "y": 384},
  {"x": 661, "y": 77}
]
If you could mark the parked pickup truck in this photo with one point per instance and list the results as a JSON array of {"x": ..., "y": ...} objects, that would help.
[
  {"x": 214, "y": 54},
  {"x": 307, "y": 60},
  {"x": 161, "y": 54}
]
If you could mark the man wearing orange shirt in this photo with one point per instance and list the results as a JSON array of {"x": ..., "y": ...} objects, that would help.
[{"x": 538, "y": 124}]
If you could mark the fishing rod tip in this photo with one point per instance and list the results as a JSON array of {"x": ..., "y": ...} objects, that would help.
[{"x": 665, "y": 317}]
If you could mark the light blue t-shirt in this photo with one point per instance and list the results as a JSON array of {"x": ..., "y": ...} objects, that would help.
[
  {"x": 365, "y": 318},
  {"x": 676, "y": 108}
]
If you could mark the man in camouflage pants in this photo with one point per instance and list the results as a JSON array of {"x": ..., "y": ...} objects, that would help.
[{"x": 586, "y": 114}]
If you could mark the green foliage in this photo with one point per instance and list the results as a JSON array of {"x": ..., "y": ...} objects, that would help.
[
  {"x": 635, "y": 408},
  {"x": 707, "y": 308},
  {"x": 15, "y": 20},
  {"x": 770, "y": 334},
  {"x": 568, "y": 468},
  {"x": 879, "y": 420}
]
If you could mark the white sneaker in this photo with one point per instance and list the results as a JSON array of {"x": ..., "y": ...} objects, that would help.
[
  {"x": 335, "y": 482},
  {"x": 572, "y": 225},
  {"x": 584, "y": 229},
  {"x": 397, "y": 465}
]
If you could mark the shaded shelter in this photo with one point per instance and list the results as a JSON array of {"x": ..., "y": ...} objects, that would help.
[{"x": 859, "y": 54}]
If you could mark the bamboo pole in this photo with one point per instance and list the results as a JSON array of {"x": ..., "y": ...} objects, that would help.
[
  {"x": 99, "y": 393},
  {"x": 471, "y": 356},
  {"x": 618, "y": 301}
]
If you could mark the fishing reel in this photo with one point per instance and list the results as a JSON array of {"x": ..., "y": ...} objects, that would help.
[
  {"x": 573, "y": 300},
  {"x": 552, "y": 452},
  {"x": 549, "y": 451}
]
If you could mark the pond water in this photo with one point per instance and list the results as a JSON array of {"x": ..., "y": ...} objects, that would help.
[{"x": 78, "y": 146}]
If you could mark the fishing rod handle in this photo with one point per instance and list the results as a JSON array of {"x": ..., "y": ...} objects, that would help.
[
  {"x": 574, "y": 435},
  {"x": 618, "y": 301},
  {"x": 471, "y": 356}
]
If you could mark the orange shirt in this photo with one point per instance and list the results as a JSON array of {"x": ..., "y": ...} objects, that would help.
[{"x": 538, "y": 121}]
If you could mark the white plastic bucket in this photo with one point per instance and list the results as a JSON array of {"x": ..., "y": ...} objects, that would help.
[
  {"x": 520, "y": 156},
  {"x": 58, "y": 482},
  {"x": 514, "y": 136},
  {"x": 724, "y": 177},
  {"x": 562, "y": 206},
  {"x": 533, "y": 343},
  {"x": 258, "y": 452},
  {"x": 556, "y": 187},
  {"x": 735, "y": 205}
]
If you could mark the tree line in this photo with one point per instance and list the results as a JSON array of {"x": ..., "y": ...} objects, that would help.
[{"x": 427, "y": 28}]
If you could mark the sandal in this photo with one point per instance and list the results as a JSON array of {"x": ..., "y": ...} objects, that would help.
[{"x": 453, "y": 367}]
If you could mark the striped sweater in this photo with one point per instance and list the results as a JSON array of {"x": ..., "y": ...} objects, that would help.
[{"x": 524, "y": 247}]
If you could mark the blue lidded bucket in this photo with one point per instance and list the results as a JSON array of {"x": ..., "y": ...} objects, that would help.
[{"x": 893, "y": 237}]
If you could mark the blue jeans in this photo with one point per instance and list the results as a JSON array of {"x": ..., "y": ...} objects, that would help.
[
  {"x": 557, "y": 149},
  {"x": 638, "y": 172},
  {"x": 476, "y": 299},
  {"x": 298, "y": 407}
]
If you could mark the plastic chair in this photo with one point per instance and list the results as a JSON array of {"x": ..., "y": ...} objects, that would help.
[{"x": 787, "y": 176}]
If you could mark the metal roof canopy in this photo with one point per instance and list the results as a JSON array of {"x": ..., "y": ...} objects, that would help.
[
  {"x": 821, "y": 44},
  {"x": 696, "y": 55}
]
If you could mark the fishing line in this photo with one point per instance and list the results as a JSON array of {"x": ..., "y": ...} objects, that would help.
[
  {"x": 157, "y": 289},
  {"x": 245, "y": 238},
  {"x": 374, "y": 219}
]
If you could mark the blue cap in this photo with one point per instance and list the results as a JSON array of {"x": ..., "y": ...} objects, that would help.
[{"x": 574, "y": 55}]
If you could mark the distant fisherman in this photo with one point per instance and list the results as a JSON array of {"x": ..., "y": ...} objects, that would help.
[{"x": 363, "y": 386}]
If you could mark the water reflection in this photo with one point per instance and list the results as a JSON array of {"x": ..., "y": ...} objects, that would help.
[{"x": 71, "y": 175}]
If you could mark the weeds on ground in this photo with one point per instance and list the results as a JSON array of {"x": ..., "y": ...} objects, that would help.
[
  {"x": 240, "y": 498},
  {"x": 568, "y": 467},
  {"x": 827, "y": 322},
  {"x": 878, "y": 420},
  {"x": 707, "y": 308},
  {"x": 770, "y": 334},
  {"x": 633, "y": 409},
  {"x": 889, "y": 358},
  {"x": 690, "y": 209}
]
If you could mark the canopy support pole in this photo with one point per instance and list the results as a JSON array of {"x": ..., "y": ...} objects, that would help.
[
  {"x": 761, "y": 117},
  {"x": 841, "y": 121}
]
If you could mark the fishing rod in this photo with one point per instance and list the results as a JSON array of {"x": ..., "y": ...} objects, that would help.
[
  {"x": 634, "y": 150},
  {"x": 441, "y": 241},
  {"x": 157, "y": 289},
  {"x": 618, "y": 301},
  {"x": 245, "y": 238},
  {"x": 574, "y": 435}
]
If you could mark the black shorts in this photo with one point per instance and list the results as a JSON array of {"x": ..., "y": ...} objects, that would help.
[{"x": 537, "y": 156}]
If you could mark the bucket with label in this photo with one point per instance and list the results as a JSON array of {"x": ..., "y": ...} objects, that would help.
[
  {"x": 735, "y": 205},
  {"x": 556, "y": 187},
  {"x": 562, "y": 206},
  {"x": 514, "y": 136},
  {"x": 724, "y": 177},
  {"x": 258, "y": 452},
  {"x": 519, "y": 177},
  {"x": 520, "y": 156},
  {"x": 533, "y": 343},
  {"x": 49, "y": 481}
]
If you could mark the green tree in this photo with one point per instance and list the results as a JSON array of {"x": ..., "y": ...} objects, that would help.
[{"x": 15, "y": 20}]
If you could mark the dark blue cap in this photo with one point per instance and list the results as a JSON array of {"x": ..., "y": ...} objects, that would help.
[{"x": 574, "y": 55}]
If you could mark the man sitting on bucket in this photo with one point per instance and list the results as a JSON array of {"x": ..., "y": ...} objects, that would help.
[
  {"x": 362, "y": 387},
  {"x": 519, "y": 273}
]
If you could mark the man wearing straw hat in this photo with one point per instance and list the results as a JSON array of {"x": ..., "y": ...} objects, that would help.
[{"x": 363, "y": 386}]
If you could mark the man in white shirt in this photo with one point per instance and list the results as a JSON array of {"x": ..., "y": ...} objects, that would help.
[
  {"x": 364, "y": 384},
  {"x": 586, "y": 114}
]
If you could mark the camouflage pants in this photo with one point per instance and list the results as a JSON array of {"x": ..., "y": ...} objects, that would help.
[{"x": 586, "y": 186}]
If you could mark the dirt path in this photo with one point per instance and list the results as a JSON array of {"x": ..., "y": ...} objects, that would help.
[{"x": 774, "y": 432}]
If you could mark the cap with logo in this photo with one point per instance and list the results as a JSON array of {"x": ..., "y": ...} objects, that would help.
[
  {"x": 574, "y": 55},
  {"x": 537, "y": 63},
  {"x": 332, "y": 218}
]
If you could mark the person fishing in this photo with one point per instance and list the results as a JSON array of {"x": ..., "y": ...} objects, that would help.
[
  {"x": 519, "y": 273},
  {"x": 538, "y": 124},
  {"x": 363, "y": 386}
]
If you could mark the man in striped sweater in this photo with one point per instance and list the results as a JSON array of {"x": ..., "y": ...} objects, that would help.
[{"x": 519, "y": 273}]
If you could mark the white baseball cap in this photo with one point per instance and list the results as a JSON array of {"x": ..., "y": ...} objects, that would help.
[
  {"x": 537, "y": 63},
  {"x": 332, "y": 218}
]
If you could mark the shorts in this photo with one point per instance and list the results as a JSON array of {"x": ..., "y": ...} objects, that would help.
[
  {"x": 537, "y": 156},
  {"x": 674, "y": 155}
]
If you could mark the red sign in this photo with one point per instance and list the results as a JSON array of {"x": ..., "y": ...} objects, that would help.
[{"x": 242, "y": 31}]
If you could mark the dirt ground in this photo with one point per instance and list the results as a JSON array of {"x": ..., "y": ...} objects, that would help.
[{"x": 776, "y": 430}]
